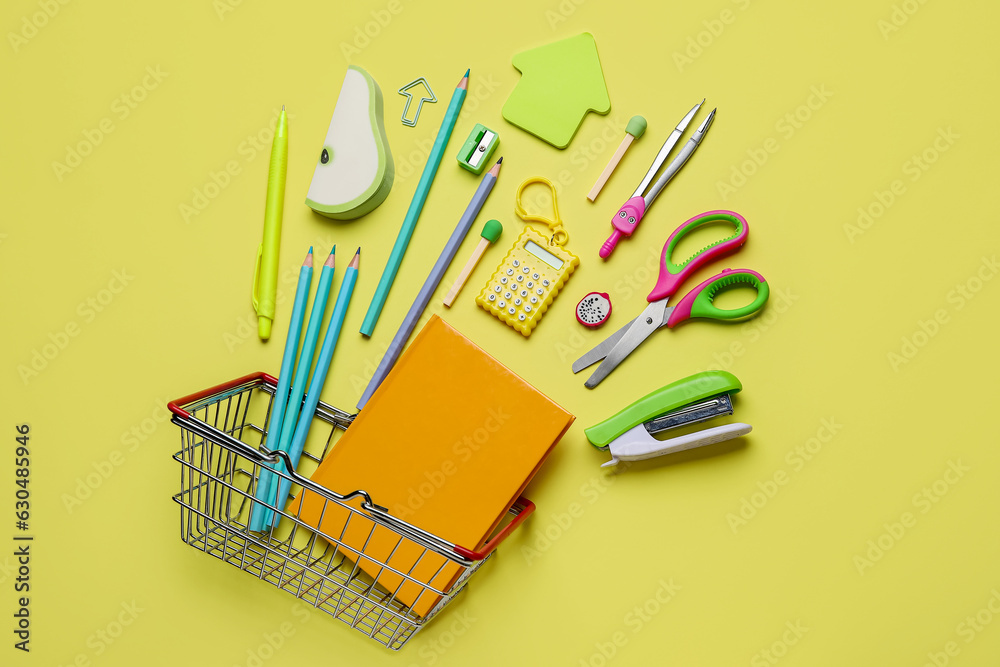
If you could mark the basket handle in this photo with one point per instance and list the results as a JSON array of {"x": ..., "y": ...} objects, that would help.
[{"x": 525, "y": 508}]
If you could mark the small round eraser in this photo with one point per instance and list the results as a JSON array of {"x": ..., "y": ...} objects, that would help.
[
  {"x": 636, "y": 127},
  {"x": 593, "y": 309},
  {"x": 492, "y": 230}
]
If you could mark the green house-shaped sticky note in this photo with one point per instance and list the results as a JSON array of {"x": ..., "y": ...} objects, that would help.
[{"x": 560, "y": 83}]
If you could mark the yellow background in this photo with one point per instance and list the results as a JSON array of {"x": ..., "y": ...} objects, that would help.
[{"x": 181, "y": 321}]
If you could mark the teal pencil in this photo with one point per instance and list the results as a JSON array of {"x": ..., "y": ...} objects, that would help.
[
  {"x": 301, "y": 374},
  {"x": 257, "y": 516},
  {"x": 319, "y": 376},
  {"x": 416, "y": 206}
]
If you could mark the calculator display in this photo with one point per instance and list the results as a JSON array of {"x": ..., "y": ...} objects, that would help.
[{"x": 544, "y": 255}]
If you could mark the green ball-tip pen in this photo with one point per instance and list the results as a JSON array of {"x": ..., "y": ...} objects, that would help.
[{"x": 265, "y": 279}]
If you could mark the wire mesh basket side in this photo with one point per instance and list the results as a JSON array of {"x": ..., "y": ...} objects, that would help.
[{"x": 221, "y": 458}]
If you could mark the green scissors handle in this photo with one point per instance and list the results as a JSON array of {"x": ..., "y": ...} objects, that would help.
[
  {"x": 699, "y": 301},
  {"x": 672, "y": 274}
]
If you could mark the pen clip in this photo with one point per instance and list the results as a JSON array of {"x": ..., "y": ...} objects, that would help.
[{"x": 256, "y": 278}]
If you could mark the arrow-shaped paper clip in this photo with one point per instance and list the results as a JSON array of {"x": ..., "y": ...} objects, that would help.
[{"x": 420, "y": 104}]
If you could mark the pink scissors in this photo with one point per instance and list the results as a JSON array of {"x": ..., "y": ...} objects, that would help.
[{"x": 697, "y": 302}]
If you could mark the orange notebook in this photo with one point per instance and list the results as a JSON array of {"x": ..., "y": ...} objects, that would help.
[{"x": 447, "y": 443}]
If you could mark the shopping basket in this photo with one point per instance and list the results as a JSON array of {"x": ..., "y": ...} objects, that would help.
[{"x": 222, "y": 452}]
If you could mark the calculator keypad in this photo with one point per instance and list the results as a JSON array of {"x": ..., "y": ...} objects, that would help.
[
  {"x": 519, "y": 303},
  {"x": 523, "y": 287}
]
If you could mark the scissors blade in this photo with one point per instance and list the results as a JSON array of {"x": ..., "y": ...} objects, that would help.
[
  {"x": 604, "y": 348},
  {"x": 651, "y": 319},
  {"x": 601, "y": 350}
]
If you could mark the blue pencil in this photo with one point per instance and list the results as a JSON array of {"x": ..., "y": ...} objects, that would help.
[
  {"x": 432, "y": 282},
  {"x": 416, "y": 205},
  {"x": 257, "y": 517},
  {"x": 319, "y": 377},
  {"x": 316, "y": 315}
]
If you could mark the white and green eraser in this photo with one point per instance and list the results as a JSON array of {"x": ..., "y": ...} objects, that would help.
[{"x": 354, "y": 172}]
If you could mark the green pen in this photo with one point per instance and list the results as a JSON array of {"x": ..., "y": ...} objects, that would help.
[{"x": 265, "y": 277}]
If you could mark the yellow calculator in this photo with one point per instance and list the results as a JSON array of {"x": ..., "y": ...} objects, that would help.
[{"x": 527, "y": 281}]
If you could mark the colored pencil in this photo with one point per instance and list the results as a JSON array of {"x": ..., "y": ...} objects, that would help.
[
  {"x": 257, "y": 517},
  {"x": 416, "y": 206},
  {"x": 433, "y": 280},
  {"x": 319, "y": 377},
  {"x": 316, "y": 316}
]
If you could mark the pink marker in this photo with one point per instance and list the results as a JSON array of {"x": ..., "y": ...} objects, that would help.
[{"x": 627, "y": 218}]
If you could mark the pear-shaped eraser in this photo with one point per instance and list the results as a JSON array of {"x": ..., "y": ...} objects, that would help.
[{"x": 354, "y": 169}]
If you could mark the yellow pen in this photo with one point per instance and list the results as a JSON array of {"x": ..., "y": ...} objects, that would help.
[{"x": 265, "y": 278}]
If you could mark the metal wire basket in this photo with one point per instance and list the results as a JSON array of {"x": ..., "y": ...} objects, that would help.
[{"x": 221, "y": 458}]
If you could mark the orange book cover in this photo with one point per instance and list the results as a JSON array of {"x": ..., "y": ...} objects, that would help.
[{"x": 447, "y": 443}]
